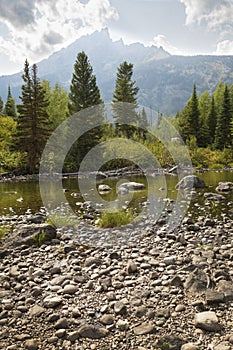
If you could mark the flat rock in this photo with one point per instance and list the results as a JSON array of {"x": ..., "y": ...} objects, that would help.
[
  {"x": 132, "y": 186},
  {"x": 226, "y": 287},
  {"x": 207, "y": 321},
  {"x": 107, "y": 319},
  {"x": 189, "y": 346},
  {"x": 144, "y": 328},
  {"x": 214, "y": 297},
  {"x": 92, "y": 332},
  {"x": 51, "y": 301},
  {"x": 36, "y": 310}
]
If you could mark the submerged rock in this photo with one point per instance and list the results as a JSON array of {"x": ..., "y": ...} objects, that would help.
[{"x": 191, "y": 181}]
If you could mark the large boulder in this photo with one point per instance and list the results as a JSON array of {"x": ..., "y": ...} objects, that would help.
[
  {"x": 31, "y": 234},
  {"x": 189, "y": 182},
  {"x": 224, "y": 186},
  {"x": 104, "y": 188}
]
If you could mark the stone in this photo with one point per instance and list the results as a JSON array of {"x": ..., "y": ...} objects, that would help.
[
  {"x": 62, "y": 323},
  {"x": 70, "y": 289},
  {"x": 52, "y": 302},
  {"x": 144, "y": 328},
  {"x": 92, "y": 332},
  {"x": 131, "y": 267},
  {"x": 122, "y": 325},
  {"x": 224, "y": 186},
  {"x": 31, "y": 344},
  {"x": 92, "y": 261},
  {"x": 189, "y": 182},
  {"x": 214, "y": 197},
  {"x": 104, "y": 188},
  {"x": 207, "y": 321},
  {"x": 189, "y": 346},
  {"x": 36, "y": 310},
  {"x": 214, "y": 297},
  {"x": 140, "y": 311},
  {"x": 196, "y": 281},
  {"x": 107, "y": 319},
  {"x": 132, "y": 186},
  {"x": 180, "y": 308},
  {"x": 223, "y": 346},
  {"x": 120, "y": 308},
  {"x": 29, "y": 235},
  {"x": 226, "y": 287},
  {"x": 73, "y": 336}
]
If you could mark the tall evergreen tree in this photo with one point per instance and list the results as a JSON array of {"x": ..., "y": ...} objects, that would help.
[
  {"x": 33, "y": 126},
  {"x": 223, "y": 127},
  {"x": 211, "y": 121},
  {"x": 10, "y": 108},
  {"x": 125, "y": 91},
  {"x": 193, "y": 114},
  {"x": 84, "y": 93},
  {"x": 1, "y": 106},
  {"x": 204, "y": 104}
]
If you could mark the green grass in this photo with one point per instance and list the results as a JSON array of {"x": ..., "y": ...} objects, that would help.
[
  {"x": 61, "y": 220},
  {"x": 40, "y": 238},
  {"x": 115, "y": 219},
  {"x": 4, "y": 231}
]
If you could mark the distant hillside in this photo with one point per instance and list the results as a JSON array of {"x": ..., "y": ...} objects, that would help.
[{"x": 165, "y": 81}]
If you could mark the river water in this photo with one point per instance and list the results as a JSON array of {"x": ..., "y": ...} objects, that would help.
[{"x": 17, "y": 198}]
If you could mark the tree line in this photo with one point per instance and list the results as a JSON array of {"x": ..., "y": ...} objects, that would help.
[
  {"x": 205, "y": 122},
  {"x": 208, "y": 119}
]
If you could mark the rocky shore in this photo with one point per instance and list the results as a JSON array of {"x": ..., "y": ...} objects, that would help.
[{"x": 166, "y": 290}]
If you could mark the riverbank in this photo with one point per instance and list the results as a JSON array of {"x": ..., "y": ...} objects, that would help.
[
  {"x": 165, "y": 290},
  {"x": 100, "y": 175}
]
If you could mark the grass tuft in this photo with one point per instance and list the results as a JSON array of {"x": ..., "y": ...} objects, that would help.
[{"x": 115, "y": 219}]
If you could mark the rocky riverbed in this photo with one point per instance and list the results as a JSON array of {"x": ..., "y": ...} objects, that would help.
[{"x": 166, "y": 290}]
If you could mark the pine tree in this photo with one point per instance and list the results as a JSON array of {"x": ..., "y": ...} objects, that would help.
[
  {"x": 1, "y": 106},
  {"x": 125, "y": 91},
  {"x": 84, "y": 93},
  {"x": 223, "y": 126},
  {"x": 193, "y": 114},
  {"x": 33, "y": 126},
  {"x": 10, "y": 108},
  {"x": 211, "y": 121}
]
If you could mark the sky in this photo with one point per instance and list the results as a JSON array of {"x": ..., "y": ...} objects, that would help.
[{"x": 34, "y": 29}]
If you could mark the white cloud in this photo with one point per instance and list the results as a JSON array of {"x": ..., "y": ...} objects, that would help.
[
  {"x": 217, "y": 14},
  {"x": 224, "y": 47},
  {"x": 48, "y": 25},
  {"x": 161, "y": 40}
]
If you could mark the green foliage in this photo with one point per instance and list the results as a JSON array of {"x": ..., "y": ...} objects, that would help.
[
  {"x": 56, "y": 220},
  {"x": 126, "y": 92},
  {"x": 33, "y": 128},
  {"x": 1, "y": 106},
  {"x": 40, "y": 238},
  {"x": 5, "y": 230},
  {"x": 115, "y": 219},
  {"x": 223, "y": 126},
  {"x": 57, "y": 103},
  {"x": 84, "y": 93},
  {"x": 10, "y": 108}
]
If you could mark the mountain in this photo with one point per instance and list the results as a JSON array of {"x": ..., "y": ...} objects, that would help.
[{"x": 165, "y": 81}]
